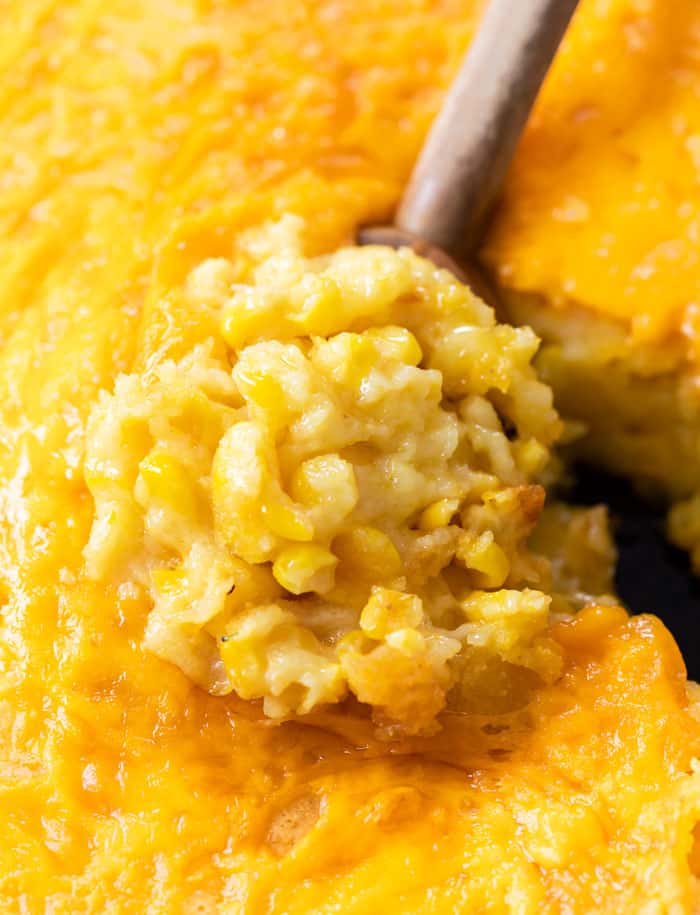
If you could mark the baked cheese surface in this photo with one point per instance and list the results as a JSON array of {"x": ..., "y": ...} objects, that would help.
[
  {"x": 136, "y": 141},
  {"x": 599, "y": 207}
]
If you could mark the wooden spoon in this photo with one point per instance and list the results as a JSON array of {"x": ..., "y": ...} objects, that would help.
[{"x": 464, "y": 160}]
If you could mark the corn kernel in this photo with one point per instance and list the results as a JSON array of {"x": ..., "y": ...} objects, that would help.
[
  {"x": 252, "y": 584},
  {"x": 483, "y": 556},
  {"x": 407, "y": 641},
  {"x": 523, "y": 609},
  {"x": 531, "y": 456},
  {"x": 241, "y": 320},
  {"x": 167, "y": 481},
  {"x": 388, "y": 610},
  {"x": 327, "y": 479},
  {"x": 305, "y": 568},
  {"x": 314, "y": 304},
  {"x": 244, "y": 648},
  {"x": 438, "y": 514},
  {"x": 362, "y": 358},
  {"x": 261, "y": 389},
  {"x": 401, "y": 343},
  {"x": 169, "y": 581},
  {"x": 287, "y": 522},
  {"x": 370, "y": 553},
  {"x": 245, "y": 665}
]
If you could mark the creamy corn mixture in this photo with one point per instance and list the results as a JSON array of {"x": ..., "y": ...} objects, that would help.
[{"x": 334, "y": 493}]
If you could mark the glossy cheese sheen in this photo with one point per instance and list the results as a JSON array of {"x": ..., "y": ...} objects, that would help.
[
  {"x": 600, "y": 206},
  {"x": 139, "y": 790},
  {"x": 131, "y": 137}
]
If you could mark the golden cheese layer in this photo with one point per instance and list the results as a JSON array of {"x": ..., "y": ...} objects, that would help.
[
  {"x": 127, "y": 789},
  {"x": 600, "y": 206},
  {"x": 132, "y": 138}
]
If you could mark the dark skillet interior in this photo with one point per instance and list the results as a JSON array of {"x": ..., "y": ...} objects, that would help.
[{"x": 652, "y": 576}]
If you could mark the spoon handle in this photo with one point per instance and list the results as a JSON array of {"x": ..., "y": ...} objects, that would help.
[{"x": 469, "y": 148}]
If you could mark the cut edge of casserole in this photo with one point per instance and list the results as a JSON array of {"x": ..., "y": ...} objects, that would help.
[{"x": 638, "y": 404}]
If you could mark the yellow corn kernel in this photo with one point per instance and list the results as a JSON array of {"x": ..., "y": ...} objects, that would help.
[
  {"x": 244, "y": 647},
  {"x": 287, "y": 522},
  {"x": 354, "y": 641},
  {"x": 400, "y": 342},
  {"x": 262, "y": 390},
  {"x": 407, "y": 641},
  {"x": 362, "y": 358},
  {"x": 438, "y": 514},
  {"x": 388, "y": 611},
  {"x": 531, "y": 456},
  {"x": 240, "y": 323},
  {"x": 483, "y": 556},
  {"x": 252, "y": 584},
  {"x": 245, "y": 665},
  {"x": 167, "y": 481},
  {"x": 303, "y": 568},
  {"x": 314, "y": 304},
  {"x": 327, "y": 480},
  {"x": 368, "y": 553},
  {"x": 169, "y": 581}
]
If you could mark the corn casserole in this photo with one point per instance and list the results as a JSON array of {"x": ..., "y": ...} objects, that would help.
[{"x": 285, "y": 625}]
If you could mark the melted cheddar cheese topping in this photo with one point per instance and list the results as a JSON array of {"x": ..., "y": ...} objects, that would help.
[
  {"x": 137, "y": 141},
  {"x": 599, "y": 208}
]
